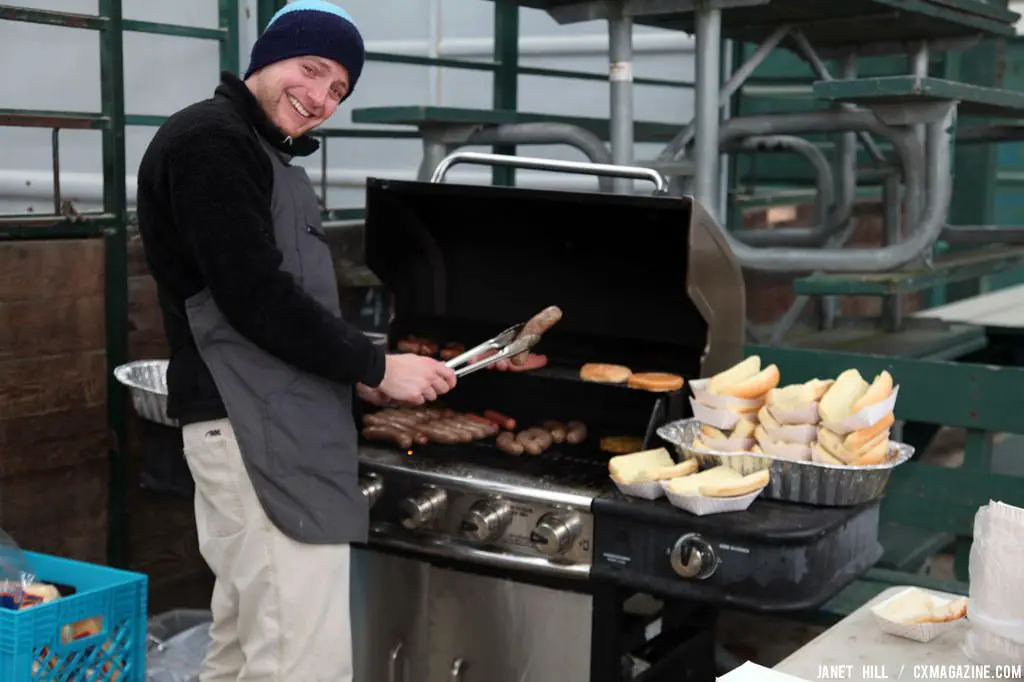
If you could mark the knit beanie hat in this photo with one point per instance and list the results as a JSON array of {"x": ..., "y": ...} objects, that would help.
[{"x": 311, "y": 27}]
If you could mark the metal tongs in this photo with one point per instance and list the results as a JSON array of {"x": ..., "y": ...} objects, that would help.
[{"x": 508, "y": 343}]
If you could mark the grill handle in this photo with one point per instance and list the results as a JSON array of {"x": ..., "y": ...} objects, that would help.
[{"x": 531, "y": 163}]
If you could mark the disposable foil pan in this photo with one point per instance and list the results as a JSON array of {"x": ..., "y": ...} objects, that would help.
[
  {"x": 825, "y": 485},
  {"x": 147, "y": 382}
]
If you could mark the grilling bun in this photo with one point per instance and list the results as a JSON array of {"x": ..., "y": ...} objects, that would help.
[
  {"x": 656, "y": 381},
  {"x": 745, "y": 380},
  {"x": 602, "y": 373},
  {"x": 851, "y": 393},
  {"x": 648, "y": 465}
]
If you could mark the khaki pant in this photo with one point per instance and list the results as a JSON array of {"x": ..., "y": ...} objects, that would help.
[{"x": 280, "y": 608}]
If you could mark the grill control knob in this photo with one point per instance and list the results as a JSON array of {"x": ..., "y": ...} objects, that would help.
[
  {"x": 422, "y": 508},
  {"x": 693, "y": 557},
  {"x": 371, "y": 486},
  {"x": 556, "y": 532},
  {"x": 486, "y": 520}
]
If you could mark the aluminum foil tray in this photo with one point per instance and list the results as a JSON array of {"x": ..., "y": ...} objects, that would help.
[
  {"x": 147, "y": 383},
  {"x": 825, "y": 485}
]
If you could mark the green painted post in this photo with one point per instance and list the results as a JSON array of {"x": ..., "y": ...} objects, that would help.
[
  {"x": 116, "y": 265},
  {"x": 227, "y": 19},
  {"x": 506, "y": 75}
]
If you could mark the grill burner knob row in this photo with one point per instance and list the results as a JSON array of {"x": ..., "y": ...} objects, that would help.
[
  {"x": 693, "y": 557},
  {"x": 486, "y": 520},
  {"x": 556, "y": 532},
  {"x": 371, "y": 487},
  {"x": 422, "y": 508}
]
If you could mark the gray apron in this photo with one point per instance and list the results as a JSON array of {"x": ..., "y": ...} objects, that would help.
[{"x": 295, "y": 430}]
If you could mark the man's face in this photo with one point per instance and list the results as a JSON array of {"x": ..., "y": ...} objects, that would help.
[{"x": 300, "y": 93}]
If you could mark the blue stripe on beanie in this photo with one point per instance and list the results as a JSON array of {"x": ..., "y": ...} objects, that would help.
[
  {"x": 317, "y": 5},
  {"x": 311, "y": 27}
]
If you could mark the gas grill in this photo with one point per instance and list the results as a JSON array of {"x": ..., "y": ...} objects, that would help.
[{"x": 483, "y": 565}]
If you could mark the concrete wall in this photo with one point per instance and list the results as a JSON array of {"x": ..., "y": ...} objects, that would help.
[{"x": 58, "y": 69}]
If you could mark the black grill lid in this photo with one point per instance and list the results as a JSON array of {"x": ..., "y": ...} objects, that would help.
[{"x": 464, "y": 262}]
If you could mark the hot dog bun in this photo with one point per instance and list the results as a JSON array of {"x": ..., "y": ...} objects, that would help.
[
  {"x": 742, "y": 486},
  {"x": 691, "y": 485},
  {"x": 640, "y": 467},
  {"x": 743, "y": 429},
  {"x": 871, "y": 452},
  {"x": 917, "y": 606},
  {"x": 603, "y": 373},
  {"x": 796, "y": 396},
  {"x": 734, "y": 375},
  {"x": 858, "y": 440},
  {"x": 878, "y": 391},
  {"x": 656, "y": 381},
  {"x": 755, "y": 386},
  {"x": 837, "y": 403}
]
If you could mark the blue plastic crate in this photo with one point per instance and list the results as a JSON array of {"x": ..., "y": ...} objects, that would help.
[{"x": 34, "y": 642}]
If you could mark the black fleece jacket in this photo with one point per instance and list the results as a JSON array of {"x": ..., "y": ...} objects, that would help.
[{"x": 204, "y": 190}]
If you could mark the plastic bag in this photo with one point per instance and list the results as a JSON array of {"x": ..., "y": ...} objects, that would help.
[
  {"x": 996, "y": 611},
  {"x": 15, "y": 573},
  {"x": 177, "y": 645}
]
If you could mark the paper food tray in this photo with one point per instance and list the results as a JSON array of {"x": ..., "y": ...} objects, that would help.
[
  {"x": 719, "y": 401},
  {"x": 698, "y": 505},
  {"x": 867, "y": 417},
  {"x": 918, "y": 632},
  {"x": 648, "y": 490}
]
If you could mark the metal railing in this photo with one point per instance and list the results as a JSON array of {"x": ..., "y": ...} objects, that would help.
[{"x": 111, "y": 222}]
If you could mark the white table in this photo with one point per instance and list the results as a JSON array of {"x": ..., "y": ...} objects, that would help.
[{"x": 857, "y": 649}]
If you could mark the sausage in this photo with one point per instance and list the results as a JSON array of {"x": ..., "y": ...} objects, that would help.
[
  {"x": 534, "y": 441},
  {"x": 428, "y": 347},
  {"x": 409, "y": 346},
  {"x": 538, "y": 325},
  {"x": 491, "y": 427},
  {"x": 507, "y": 423},
  {"x": 556, "y": 429},
  {"x": 416, "y": 436},
  {"x": 438, "y": 434},
  {"x": 478, "y": 429},
  {"x": 466, "y": 434},
  {"x": 508, "y": 443},
  {"x": 533, "y": 361},
  {"x": 576, "y": 432},
  {"x": 452, "y": 350},
  {"x": 390, "y": 435}
]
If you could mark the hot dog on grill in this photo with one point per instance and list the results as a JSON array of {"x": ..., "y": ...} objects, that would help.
[
  {"x": 504, "y": 422},
  {"x": 534, "y": 440},
  {"x": 576, "y": 432},
  {"x": 452, "y": 350},
  {"x": 556, "y": 429},
  {"x": 388, "y": 434},
  {"x": 491, "y": 427},
  {"x": 438, "y": 433},
  {"x": 507, "y": 442},
  {"x": 537, "y": 326}
]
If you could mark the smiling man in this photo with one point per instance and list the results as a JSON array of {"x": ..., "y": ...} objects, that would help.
[{"x": 263, "y": 370}]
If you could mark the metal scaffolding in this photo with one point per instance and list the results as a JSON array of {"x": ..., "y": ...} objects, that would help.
[{"x": 111, "y": 223}]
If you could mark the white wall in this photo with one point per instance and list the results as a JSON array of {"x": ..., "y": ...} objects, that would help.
[{"x": 58, "y": 69}]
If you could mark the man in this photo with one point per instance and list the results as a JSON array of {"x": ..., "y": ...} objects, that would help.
[{"x": 263, "y": 369}]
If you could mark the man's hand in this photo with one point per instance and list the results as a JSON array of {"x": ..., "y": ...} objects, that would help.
[
  {"x": 415, "y": 379},
  {"x": 372, "y": 395}
]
